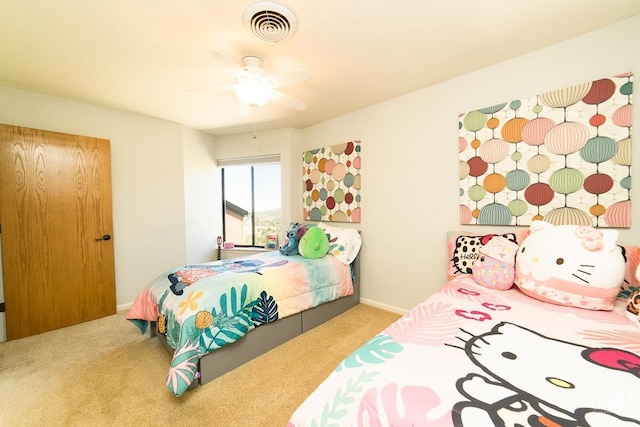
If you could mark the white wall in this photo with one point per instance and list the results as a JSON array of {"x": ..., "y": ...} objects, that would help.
[
  {"x": 410, "y": 167},
  {"x": 147, "y": 180},
  {"x": 203, "y": 209},
  {"x": 410, "y": 158}
]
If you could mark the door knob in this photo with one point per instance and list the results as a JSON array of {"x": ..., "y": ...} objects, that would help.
[{"x": 105, "y": 237}]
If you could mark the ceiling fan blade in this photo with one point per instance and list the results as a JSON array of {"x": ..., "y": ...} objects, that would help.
[
  {"x": 289, "y": 78},
  {"x": 222, "y": 56},
  {"x": 288, "y": 100},
  {"x": 210, "y": 87}
]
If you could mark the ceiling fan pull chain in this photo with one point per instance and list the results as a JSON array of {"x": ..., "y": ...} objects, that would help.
[{"x": 254, "y": 123}]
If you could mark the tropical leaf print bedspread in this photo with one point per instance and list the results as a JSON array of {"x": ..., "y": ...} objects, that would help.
[
  {"x": 473, "y": 356},
  {"x": 200, "y": 308}
]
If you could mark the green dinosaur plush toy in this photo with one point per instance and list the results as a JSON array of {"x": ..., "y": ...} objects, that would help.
[{"x": 314, "y": 243}]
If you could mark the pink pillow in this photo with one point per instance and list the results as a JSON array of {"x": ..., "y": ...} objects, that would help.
[
  {"x": 495, "y": 267},
  {"x": 464, "y": 248}
]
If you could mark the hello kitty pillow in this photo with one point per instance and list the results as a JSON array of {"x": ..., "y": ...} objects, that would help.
[{"x": 570, "y": 265}]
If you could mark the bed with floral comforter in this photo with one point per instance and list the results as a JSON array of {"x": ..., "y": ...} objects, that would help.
[{"x": 201, "y": 308}]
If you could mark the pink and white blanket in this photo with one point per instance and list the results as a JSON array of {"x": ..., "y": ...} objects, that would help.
[{"x": 474, "y": 356}]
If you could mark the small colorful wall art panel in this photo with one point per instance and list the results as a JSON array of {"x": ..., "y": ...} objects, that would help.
[
  {"x": 331, "y": 183},
  {"x": 562, "y": 156}
]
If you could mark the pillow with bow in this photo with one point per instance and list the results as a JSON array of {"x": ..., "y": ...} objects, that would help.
[{"x": 571, "y": 265}]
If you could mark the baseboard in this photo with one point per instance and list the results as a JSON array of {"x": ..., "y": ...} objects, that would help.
[
  {"x": 124, "y": 307},
  {"x": 383, "y": 306},
  {"x": 3, "y": 333}
]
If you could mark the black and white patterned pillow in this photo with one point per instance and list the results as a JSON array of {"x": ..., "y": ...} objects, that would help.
[{"x": 464, "y": 250}]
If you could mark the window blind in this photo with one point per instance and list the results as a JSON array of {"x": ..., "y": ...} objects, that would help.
[{"x": 250, "y": 160}]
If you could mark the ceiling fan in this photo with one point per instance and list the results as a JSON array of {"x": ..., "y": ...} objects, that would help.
[{"x": 254, "y": 87}]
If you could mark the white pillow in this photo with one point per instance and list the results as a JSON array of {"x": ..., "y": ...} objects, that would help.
[
  {"x": 571, "y": 265},
  {"x": 344, "y": 243}
]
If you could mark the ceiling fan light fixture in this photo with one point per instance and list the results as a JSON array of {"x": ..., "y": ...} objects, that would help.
[
  {"x": 253, "y": 90},
  {"x": 270, "y": 22}
]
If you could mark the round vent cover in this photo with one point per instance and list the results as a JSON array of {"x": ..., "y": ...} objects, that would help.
[{"x": 270, "y": 22}]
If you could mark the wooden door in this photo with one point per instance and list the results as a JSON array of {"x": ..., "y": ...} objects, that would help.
[{"x": 56, "y": 224}]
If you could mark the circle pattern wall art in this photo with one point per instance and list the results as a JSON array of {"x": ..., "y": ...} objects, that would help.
[
  {"x": 563, "y": 156},
  {"x": 331, "y": 182}
]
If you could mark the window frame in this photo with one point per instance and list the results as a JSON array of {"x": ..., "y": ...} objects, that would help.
[{"x": 251, "y": 162}]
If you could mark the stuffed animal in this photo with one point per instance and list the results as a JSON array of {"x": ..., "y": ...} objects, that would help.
[
  {"x": 632, "y": 311},
  {"x": 314, "y": 243},
  {"x": 495, "y": 266},
  {"x": 295, "y": 232},
  {"x": 571, "y": 265}
]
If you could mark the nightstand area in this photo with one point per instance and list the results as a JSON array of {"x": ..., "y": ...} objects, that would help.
[{"x": 240, "y": 252}]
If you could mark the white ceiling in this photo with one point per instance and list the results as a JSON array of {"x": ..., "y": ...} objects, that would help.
[{"x": 140, "y": 55}]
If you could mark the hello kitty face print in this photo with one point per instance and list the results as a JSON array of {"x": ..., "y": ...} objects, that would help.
[{"x": 535, "y": 380}]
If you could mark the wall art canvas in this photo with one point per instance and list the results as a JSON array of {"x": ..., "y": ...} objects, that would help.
[
  {"x": 562, "y": 156},
  {"x": 331, "y": 183}
]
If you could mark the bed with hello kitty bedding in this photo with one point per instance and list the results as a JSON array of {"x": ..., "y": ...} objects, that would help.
[{"x": 538, "y": 328}]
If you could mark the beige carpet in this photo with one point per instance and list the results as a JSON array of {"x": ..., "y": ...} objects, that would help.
[{"x": 104, "y": 373}]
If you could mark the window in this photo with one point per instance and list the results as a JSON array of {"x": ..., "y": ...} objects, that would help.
[{"x": 251, "y": 202}]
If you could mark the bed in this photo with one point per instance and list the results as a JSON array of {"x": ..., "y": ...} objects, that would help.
[
  {"x": 472, "y": 355},
  {"x": 216, "y": 316}
]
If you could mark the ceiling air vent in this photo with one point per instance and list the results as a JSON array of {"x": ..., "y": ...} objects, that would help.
[{"x": 270, "y": 22}]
